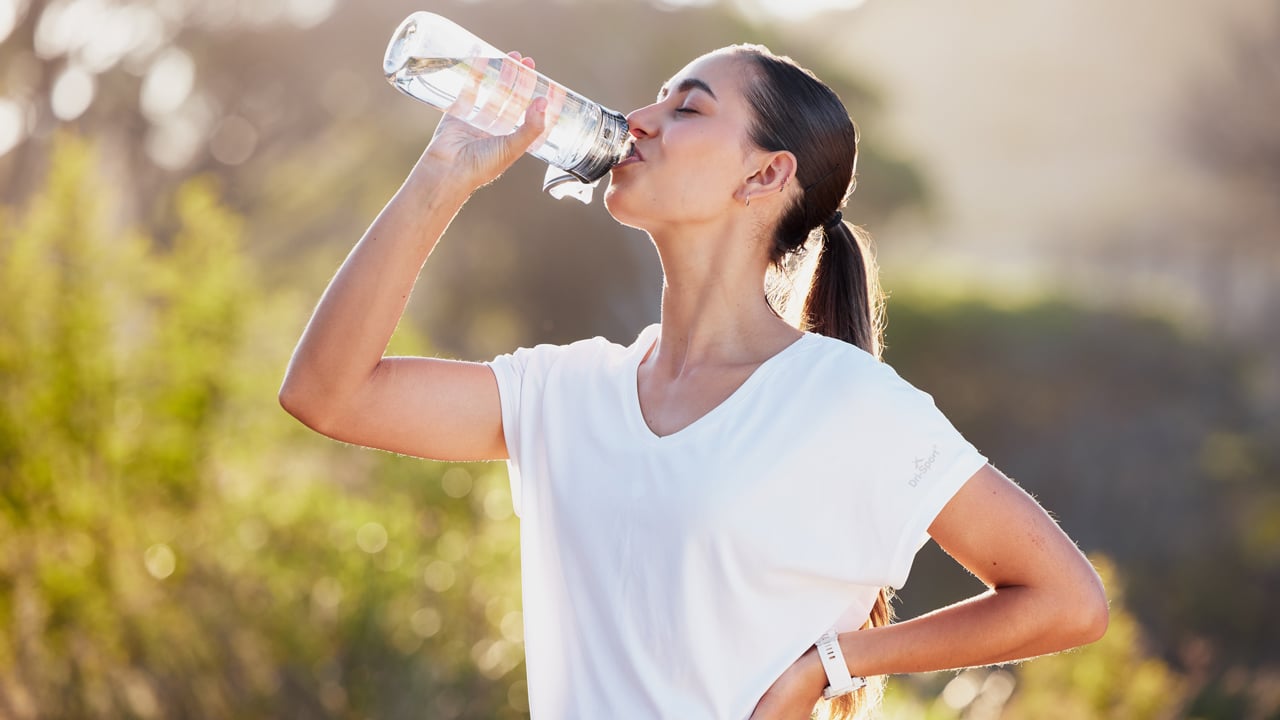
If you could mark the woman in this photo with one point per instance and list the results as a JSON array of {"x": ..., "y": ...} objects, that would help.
[{"x": 701, "y": 508}]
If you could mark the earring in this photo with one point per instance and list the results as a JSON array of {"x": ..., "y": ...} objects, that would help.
[{"x": 748, "y": 202}]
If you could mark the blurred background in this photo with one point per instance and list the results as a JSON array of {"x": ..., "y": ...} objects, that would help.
[{"x": 1077, "y": 217}]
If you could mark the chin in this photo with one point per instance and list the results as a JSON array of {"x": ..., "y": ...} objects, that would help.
[{"x": 617, "y": 200}]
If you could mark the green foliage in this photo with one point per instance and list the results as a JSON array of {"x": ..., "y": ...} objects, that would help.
[
  {"x": 171, "y": 544},
  {"x": 1145, "y": 441}
]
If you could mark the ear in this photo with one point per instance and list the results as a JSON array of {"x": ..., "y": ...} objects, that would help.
[{"x": 773, "y": 173}]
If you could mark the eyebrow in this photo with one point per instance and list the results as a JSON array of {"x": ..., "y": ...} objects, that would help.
[{"x": 690, "y": 84}]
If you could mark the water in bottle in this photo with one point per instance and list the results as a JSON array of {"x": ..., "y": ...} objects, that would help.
[{"x": 432, "y": 59}]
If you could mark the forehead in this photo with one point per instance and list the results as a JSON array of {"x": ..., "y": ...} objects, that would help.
[{"x": 723, "y": 73}]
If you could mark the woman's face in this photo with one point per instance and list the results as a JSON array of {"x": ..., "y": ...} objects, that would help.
[{"x": 693, "y": 153}]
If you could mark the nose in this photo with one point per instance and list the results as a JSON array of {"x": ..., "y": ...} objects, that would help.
[{"x": 641, "y": 122}]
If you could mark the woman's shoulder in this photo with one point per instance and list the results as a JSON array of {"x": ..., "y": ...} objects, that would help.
[
  {"x": 837, "y": 355},
  {"x": 596, "y": 350},
  {"x": 836, "y": 364}
]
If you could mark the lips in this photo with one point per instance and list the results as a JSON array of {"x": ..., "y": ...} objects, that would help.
[{"x": 633, "y": 156}]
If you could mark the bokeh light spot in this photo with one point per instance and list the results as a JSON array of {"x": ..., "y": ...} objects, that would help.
[
  {"x": 326, "y": 593},
  {"x": 234, "y": 141},
  {"x": 309, "y": 13},
  {"x": 453, "y": 546},
  {"x": 426, "y": 622},
  {"x": 72, "y": 93},
  {"x": 801, "y": 9},
  {"x": 168, "y": 83},
  {"x": 512, "y": 626},
  {"x": 12, "y": 125},
  {"x": 456, "y": 482},
  {"x": 9, "y": 11},
  {"x": 160, "y": 561},
  {"x": 961, "y": 691},
  {"x": 371, "y": 537},
  {"x": 999, "y": 686},
  {"x": 439, "y": 576},
  {"x": 518, "y": 696},
  {"x": 497, "y": 504}
]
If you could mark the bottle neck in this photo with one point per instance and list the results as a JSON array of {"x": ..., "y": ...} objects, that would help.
[{"x": 609, "y": 148}]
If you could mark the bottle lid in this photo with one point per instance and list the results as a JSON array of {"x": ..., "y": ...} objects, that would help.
[
  {"x": 562, "y": 184},
  {"x": 609, "y": 148}
]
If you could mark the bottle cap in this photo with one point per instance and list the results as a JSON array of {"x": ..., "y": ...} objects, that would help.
[{"x": 562, "y": 184}]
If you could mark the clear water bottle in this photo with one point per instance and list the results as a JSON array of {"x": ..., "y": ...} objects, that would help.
[{"x": 432, "y": 59}]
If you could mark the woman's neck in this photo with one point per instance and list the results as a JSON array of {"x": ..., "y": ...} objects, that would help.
[{"x": 714, "y": 310}]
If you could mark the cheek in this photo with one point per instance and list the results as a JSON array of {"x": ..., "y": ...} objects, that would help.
[
  {"x": 706, "y": 177},
  {"x": 695, "y": 176}
]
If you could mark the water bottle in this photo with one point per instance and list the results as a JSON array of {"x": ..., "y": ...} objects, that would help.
[{"x": 433, "y": 60}]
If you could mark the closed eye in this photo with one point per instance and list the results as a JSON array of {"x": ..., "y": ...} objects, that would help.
[{"x": 688, "y": 110}]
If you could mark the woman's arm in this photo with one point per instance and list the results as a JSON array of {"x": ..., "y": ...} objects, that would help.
[
  {"x": 1044, "y": 597},
  {"x": 338, "y": 381}
]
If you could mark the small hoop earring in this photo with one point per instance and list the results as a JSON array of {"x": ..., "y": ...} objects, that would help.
[{"x": 748, "y": 202}]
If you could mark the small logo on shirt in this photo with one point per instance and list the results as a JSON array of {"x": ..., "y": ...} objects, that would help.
[{"x": 923, "y": 466}]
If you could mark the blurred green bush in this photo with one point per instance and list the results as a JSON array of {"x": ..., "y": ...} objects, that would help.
[{"x": 171, "y": 544}]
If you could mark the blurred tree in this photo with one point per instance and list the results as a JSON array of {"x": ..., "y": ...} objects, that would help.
[
  {"x": 1230, "y": 126},
  {"x": 1210, "y": 253},
  {"x": 171, "y": 545},
  {"x": 1145, "y": 442}
]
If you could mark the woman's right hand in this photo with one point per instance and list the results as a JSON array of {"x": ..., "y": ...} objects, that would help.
[{"x": 472, "y": 156}]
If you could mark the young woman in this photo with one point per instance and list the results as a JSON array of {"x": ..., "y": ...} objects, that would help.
[{"x": 707, "y": 512}]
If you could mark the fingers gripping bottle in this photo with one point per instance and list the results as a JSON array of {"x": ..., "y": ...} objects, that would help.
[{"x": 433, "y": 60}]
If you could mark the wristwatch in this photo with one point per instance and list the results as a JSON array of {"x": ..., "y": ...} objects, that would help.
[{"x": 839, "y": 681}]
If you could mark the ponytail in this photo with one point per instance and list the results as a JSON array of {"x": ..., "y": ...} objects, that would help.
[{"x": 844, "y": 300}]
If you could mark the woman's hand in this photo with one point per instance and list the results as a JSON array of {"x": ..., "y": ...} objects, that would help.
[
  {"x": 794, "y": 695},
  {"x": 474, "y": 157}
]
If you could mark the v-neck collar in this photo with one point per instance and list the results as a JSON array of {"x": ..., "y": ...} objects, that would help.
[{"x": 644, "y": 345}]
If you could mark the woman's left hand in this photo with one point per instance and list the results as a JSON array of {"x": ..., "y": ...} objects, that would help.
[{"x": 794, "y": 695}]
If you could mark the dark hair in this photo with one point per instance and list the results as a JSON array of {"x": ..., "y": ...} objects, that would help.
[{"x": 797, "y": 112}]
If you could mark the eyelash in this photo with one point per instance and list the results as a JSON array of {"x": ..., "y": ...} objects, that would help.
[{"x": 690, "y": 111}]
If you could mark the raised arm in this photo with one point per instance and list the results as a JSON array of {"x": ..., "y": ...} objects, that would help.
[
  {"x": 338, "y": 381},
  {"x": 1043, "y": 597}
]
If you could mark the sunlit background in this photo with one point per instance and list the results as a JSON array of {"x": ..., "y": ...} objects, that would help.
[{"x": 1076, "y": 212}]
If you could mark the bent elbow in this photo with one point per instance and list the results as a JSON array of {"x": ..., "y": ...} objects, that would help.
[
  {"x": 291, "y": 400},
  {"x": 1090, "y": 613},
  {"x": 301, "y": 404},
  {"x": 1095, "y": 618}
]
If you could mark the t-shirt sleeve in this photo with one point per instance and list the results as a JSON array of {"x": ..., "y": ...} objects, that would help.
[
  {"x": 912, "y": 461},
  {"x": 521, "y": 377}
]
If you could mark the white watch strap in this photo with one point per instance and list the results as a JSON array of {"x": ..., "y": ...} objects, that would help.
[{"x": 839, "y": 682}]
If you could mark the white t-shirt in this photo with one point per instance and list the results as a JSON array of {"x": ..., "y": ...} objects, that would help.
[{"x": 679, "y": 576}]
